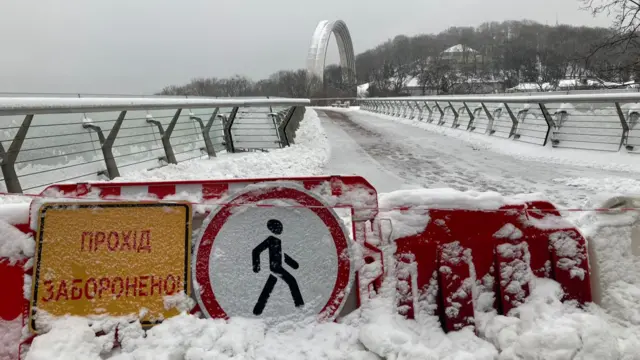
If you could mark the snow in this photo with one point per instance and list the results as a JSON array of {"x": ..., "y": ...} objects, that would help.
[
  {"x": 304, "y": 158},
  {"x": 407, "y": 222},
  {"x": 179, "y": 301},
  {"x": 459, "y": 48},
  {"x": 622, "y": 162},
  {"x": 614, "y": 265},
  {"x": 70, "y": 339},
  {"x": 14, "y": 244},
  {"x": 545, "y": 328},
  {"x": 10, "y": 338},
  {"x": 541, "y": 327}
]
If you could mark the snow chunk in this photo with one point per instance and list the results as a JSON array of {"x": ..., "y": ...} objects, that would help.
[
  {"x": 69, "y": 338},
  {"x": 179, "y": 301},
  {"x": 545, "y": 328},
  {"x": 10, "y": 332},
  {"x": 14, "y": 244},
  {"x": 15, "y": 213},
  {"x": 508, "y": 231},
  {"x": 408, "y": 209},
  {"x": 614, "y": 267}
]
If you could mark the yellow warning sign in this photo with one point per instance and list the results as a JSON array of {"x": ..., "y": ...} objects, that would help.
[{"x": 115, "y": 259}]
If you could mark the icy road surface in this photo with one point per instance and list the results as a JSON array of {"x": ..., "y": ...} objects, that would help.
[{"x": 395, "y": 155}]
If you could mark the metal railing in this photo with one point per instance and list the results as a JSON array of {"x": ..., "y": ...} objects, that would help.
[
  {"x": 45, "y": 140},
  {"x": 594, "y": 121}
]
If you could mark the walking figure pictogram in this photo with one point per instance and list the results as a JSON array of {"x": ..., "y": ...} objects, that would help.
[{"x": 274, "y": 245}]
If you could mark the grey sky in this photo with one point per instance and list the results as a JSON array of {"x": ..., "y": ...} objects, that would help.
[{"x": 139, "y": 46}]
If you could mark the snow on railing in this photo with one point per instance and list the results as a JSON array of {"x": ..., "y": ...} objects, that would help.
[{"x": 56, "y": 138}]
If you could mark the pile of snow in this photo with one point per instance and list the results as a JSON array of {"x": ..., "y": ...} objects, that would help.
[
  {"x": 545, "y": 328},
  {"x": 304, "y": 158},
  {"x": 614, "y": 254}
]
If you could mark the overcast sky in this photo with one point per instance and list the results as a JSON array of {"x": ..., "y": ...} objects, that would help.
[{"x": 139, "y": 46}]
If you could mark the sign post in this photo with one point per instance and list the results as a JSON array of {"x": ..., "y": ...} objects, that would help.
[
  {"x": 276, "y": 252},
  {"x": 110, "y": 258}
]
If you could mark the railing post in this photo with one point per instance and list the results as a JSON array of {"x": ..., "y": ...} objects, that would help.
[
  {"x": 225, "y": 140},
  {"x": 277, "y": 120},
  {"x": 624, "y": 124},
  {"x": 455, "y": 116},
  {"x": 205, "y": 132},
  {"x": 419, "y": 110},
  {"x": 410, "y": 108},
  {"x": 441, "y": 113},
  {"x": 166, "y": 136},
  {"x": 228, "y": 124},
  {"x": 430, "y": 110},
  {"x": 514, "y": 121},
  {"x": 472, "y": 118},
  {"x": 8, "y": 158},
  {"x": 489, "y": 130},
  {"x": 291, "y": 123},
  {"x": 106, "y": 144},
  {"x": 550, "y": 123}
]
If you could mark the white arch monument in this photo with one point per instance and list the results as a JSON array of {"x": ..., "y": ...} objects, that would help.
[{"x": 320, "y": 42}]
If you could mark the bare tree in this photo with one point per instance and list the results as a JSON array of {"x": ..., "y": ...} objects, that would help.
[{"x": 623, "y": 42}]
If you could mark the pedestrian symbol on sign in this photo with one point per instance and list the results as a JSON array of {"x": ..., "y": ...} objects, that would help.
[
  {"x": 274, "y": 245},
  {"x": 309, "y": 270}
]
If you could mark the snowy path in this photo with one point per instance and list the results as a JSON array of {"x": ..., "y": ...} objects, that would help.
[{"x": 395, "y": 155}]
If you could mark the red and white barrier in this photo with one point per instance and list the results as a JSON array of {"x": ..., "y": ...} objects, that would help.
[{"x": 448, "y": 254}]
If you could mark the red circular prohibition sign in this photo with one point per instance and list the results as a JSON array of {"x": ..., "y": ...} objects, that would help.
[{"x": 207, "y": 293}]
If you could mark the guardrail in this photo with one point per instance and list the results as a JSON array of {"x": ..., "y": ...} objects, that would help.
[
  {"x": 595, "y": 121},
  {"x": 56, "y": 139}
]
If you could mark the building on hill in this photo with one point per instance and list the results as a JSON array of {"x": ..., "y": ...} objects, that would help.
[
  {"x": 567, "y": 84},
  {"x": 461, "y": 54},
  {"x": 456, "y": 69}
]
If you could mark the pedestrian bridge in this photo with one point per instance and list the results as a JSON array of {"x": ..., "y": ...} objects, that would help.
[{"x": 52, "y": 139}]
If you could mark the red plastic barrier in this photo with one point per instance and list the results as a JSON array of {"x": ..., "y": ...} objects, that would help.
[
  {"x": 12, "y": 298},
  {"x": 505, "y": 248},
  {"x": 12, "y": 301}
]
